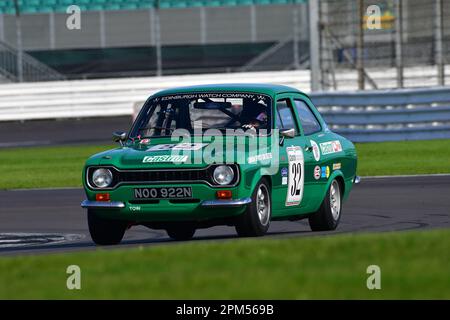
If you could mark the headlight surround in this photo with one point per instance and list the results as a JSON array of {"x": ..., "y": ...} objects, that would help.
[
  {"x": 102, "y": 178},
  {"x": 223, "y": 175}
]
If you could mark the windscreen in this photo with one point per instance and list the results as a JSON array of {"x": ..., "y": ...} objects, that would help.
[{"x": 202, "y": 111}]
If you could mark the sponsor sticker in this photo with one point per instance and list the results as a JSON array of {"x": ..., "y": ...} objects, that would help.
[
  {"x": 218, "y": 95},
  {"x": 317, "y": 172},
  {"x": 330, "y": 147},
  {"x": 315, "y": 149},
  {"x": 337, "y": 166},
  {"x": 284, "y": 176},
  {"x": 179, "y": 146},
  {"x": 260, "y": 157},
  {"x": 295, "y": 176},
  {"x": 144, "y": 141},
  {"x": 325, "y": 172},
  {"x": 164, "y": 158}
]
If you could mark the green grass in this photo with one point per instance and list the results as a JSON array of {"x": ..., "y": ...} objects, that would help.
[
  {"x": 43, "y": 167},
  {"x": 406, "y": 157},
  {"x": 414, "y": 265}
]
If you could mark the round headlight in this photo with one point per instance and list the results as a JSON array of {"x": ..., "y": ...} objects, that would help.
[
  {"x": 102, "y": 178},
  {"x": 223, "y": 175}
]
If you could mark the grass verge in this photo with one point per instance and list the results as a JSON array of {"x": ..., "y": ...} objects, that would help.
[
  {"x": 405, "y": 157},
  {"x": 43, "y": 167},
  {"x": 414, "y": 265}
]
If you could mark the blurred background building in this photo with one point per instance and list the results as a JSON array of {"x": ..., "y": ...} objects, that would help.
[
  {"x": 346, "y": 52},
  {"x": 122, "y": 38}
]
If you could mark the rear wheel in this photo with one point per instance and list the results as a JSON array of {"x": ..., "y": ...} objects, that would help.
[
  {"x": 329, "y": 214},
  {"x": 181, "y": 232},
  {"x": 105, "y": 231},
  {"x": 256, "y": 219}
]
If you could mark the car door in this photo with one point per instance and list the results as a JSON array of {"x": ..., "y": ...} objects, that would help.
[
  {"x": 288, "y": 183},
  {"x": 317, "y": 166}
]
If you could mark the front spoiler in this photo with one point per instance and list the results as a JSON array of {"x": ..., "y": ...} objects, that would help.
[{"x": 87, "y": 204}]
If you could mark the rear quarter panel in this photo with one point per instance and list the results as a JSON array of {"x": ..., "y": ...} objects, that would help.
[{"x": 342, "y": 167}]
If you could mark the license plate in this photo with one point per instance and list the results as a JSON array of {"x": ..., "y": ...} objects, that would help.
[{"x": 163, "y": 193}]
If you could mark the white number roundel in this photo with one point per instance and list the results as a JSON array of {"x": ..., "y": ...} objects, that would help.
[{"x": 296, "y": 176}]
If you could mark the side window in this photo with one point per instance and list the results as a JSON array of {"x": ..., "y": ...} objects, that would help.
[
  {"x": 285, "y": 116},
  {"x": 307, "y": 118}
]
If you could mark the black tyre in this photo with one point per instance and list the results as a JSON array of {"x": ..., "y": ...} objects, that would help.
[
  {"x": 256, "y": 219},
  {"x": 329, "y": 214},
  {"x": 105, "y": 231},
  {"x": 181, "y": 232}
]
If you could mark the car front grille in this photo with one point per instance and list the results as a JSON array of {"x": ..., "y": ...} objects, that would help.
[{"x": 161, "y": 176}]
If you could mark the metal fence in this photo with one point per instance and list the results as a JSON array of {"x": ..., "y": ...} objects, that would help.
[
  {"x": 180, "y": 28},
  {"x": 19, "y": 66},
  {"x": 346, "y": 43},
  {"x": 369, "y": 36}
]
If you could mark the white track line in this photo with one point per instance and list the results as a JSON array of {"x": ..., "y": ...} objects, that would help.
[
  {"x": 45, "y": 189},
  {"x": 407, "y": 176}
]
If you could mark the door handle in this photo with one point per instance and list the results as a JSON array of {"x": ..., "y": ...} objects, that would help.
[{"x": 308, "y": 148}]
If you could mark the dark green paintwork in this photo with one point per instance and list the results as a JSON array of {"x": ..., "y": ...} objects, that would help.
[{"x": 130, "y": 157}]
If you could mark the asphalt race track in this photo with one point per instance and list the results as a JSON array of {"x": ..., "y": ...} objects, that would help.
[
  {"x": 42, "y": 221},
  {"x": 61, "y": 132}
]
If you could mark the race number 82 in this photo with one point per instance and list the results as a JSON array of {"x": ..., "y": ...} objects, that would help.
[{"x": 296, "y": 176}]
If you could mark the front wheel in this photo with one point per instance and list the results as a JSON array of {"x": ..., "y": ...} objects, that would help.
[
  {"x": 256, "y": 219},
  {"x": 105, "y": 231},
  {"x": 329, "y": 214}
]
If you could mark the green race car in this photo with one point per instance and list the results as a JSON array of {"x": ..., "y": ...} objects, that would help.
[{"x": 240, "y": 155}]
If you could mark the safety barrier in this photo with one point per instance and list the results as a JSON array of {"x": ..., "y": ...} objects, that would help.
[
  {"x": 387, "y": 115},
  {"x": 114, "y": 97},
  {"x": 406, "y": 114}
]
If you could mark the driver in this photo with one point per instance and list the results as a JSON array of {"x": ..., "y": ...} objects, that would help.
[{"x": 260, "y": 121}]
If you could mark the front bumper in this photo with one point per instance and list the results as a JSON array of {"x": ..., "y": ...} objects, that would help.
[
  {"x": 87, "y": 204},
  {"x": 232, "y": 203},
  {"x": 226, "y": 203},
  {"x": 203, "y": 206}
]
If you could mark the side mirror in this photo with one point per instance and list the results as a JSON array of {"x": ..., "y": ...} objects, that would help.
[
  {"x": 119, "y": 136},
  {"x": 286, "y": 133}
]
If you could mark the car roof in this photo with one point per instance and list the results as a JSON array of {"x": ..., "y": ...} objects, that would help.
[{"x": 269, "y": 89}]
